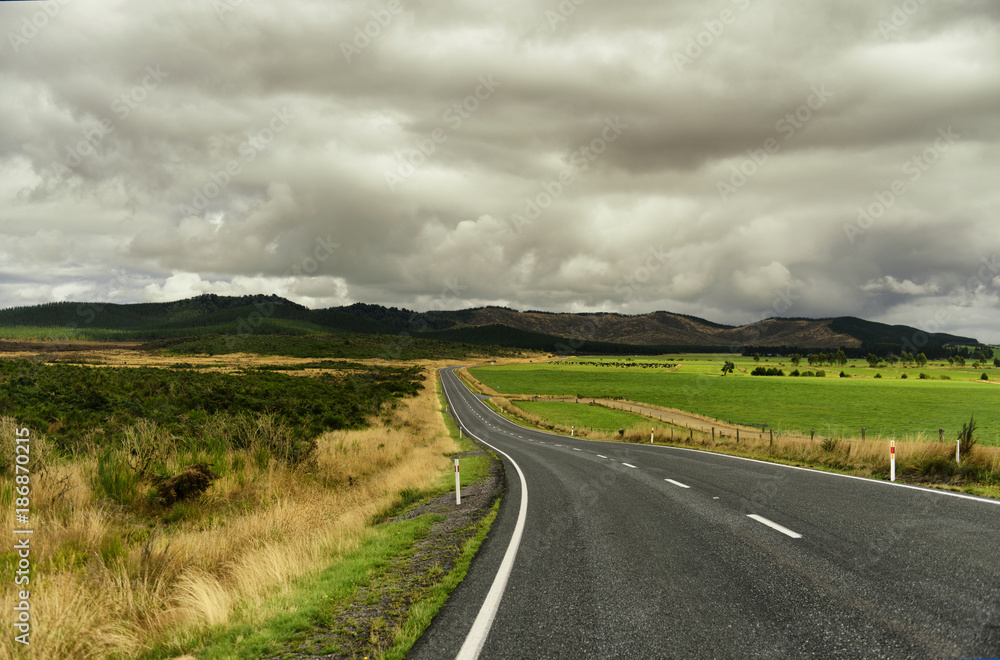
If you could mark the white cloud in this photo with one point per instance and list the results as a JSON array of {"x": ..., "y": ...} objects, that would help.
[
  {"x": 209, "y": 126},
  {"x": 903, "y": 287}
]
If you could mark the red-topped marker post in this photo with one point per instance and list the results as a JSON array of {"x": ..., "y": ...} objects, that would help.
[{"x": 892, "y": 460}]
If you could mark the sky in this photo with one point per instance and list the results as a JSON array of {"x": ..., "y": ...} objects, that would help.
[{"x": 731, "y": 159}]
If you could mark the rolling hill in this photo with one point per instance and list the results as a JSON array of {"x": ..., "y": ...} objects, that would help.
[{"x": 499, "y": 326}]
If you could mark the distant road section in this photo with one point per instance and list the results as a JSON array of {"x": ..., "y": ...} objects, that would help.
[{"x": 639, "y": 551}]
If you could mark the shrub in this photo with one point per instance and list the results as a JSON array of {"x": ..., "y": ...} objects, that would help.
[
  {"x": 820, "y": 373},
  {"x": 878, "y": 375},
  {"x": 903, "y": 377},
  {"x": 984, "y": 376},
  {"x": 844, "y": 375},
  {"x": 794, "y": 373},
  {"x": 966, "y": 441},
  {"x": 807, "y": 374},
  {"x": 923, "y": 376},
  {"x": 767, "y": 371}
]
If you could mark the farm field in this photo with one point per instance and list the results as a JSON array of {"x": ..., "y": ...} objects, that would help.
[
  {"x": 890, "y": 406},
  {"x": 595, "y": 417}
]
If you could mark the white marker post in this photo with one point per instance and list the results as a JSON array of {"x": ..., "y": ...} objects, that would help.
[
  {"x": 572, "y": 431},
  {"x": 650, "y": 436},
  {"x": 458, "y": 485},
  {"x": 892, "y": 460}
]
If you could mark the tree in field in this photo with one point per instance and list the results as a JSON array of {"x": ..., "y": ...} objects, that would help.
[
  {"x": 796, "y": 359},
  {"x": 756, "y": 358},
  {"x": 840, "y": 357},
  {"x": 959, "y": 360},
  {"x": 873, "y": 360},
  {"x": 728, "y": 367},
  {"x": 921, "y": 360},
  {"x": 996, "y": 362}
]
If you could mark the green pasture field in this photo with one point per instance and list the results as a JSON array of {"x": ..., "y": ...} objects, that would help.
[
  {"x": 890, "y": 406},
  {"x": 598, "y": 418}
]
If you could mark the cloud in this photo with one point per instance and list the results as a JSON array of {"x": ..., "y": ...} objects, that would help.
[
  {"x": 905, "y": 287},
  {"x": 177, "y": 148}
]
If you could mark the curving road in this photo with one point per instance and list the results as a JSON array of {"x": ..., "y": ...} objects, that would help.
[{"x": 643, "y": 551}]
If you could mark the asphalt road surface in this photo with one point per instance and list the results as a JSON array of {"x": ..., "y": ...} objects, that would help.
[{"x": 611, "y": 550}]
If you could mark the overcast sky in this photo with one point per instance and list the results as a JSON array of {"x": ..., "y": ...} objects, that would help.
[{"x": 734, "y": 159}]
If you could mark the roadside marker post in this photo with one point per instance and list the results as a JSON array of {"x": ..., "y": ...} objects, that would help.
[
  {"x": 458, "y": 485},
  {"x": 958, "y": 451},
  {"x": 892, "y": 460},
  {"x": 650, "y": 436}
]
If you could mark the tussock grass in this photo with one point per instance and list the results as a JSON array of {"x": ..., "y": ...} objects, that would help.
[{"x": 115, "y": 576}]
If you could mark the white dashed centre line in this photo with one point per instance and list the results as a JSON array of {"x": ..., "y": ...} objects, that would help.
[
  {"x": 677, "y": 483},
  {"x": 575, "y": 449},
  {"x": 774, "y": 525},
  {"x": 630, "y": 465},
  {"x": 600, "y": 456}
]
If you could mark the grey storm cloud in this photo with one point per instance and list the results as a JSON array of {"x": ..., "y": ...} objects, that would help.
[{"x": 735, "y": 159}]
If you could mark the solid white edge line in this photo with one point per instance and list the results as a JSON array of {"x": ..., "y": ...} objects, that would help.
[
  {"x": 931, "y": 491},
  {"x": 774, "y": 525},
  {"x": 677, "y": 483},
  {"x": 630, "y": 465},
  {"x": 476, "y": 638}
]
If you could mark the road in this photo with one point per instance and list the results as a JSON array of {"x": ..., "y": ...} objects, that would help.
[{"x": 623, "y": 550}]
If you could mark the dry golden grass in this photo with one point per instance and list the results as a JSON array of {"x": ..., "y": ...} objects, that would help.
[{"x": 102, "y": 583}]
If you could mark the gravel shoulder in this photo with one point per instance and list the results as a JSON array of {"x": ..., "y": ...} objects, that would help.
[{"x": 366, "y": 625}]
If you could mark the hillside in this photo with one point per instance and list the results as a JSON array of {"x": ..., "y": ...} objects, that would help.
[{"x": 498, "y": 326}]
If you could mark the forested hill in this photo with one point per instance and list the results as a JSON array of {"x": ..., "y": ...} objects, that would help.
[{"x": 546, "y": 331}]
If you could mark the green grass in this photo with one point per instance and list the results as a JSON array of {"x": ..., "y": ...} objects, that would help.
[
  {"x": 306, "y": 603},
  {"x": 426, "y": 609},
  {"x": 832, "y": 405},
  {"x": 598, "y": 418}
]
